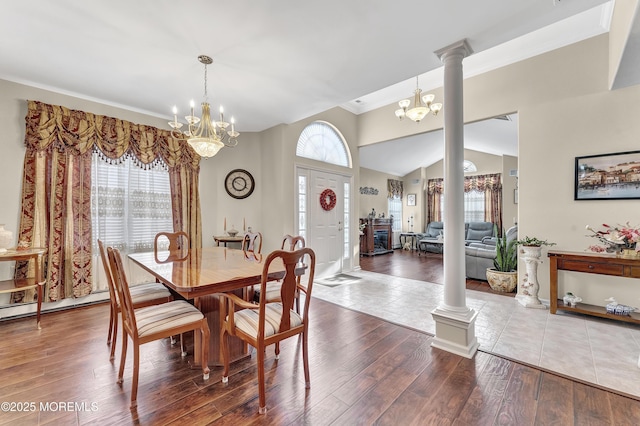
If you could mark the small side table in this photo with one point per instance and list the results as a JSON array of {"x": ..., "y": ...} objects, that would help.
[
  {"x": 227, "y": 239},
  {"x": 37, "y": 282},
  {"x": 409, "y": 237}
]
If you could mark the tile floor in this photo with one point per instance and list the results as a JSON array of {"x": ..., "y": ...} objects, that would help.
[{"x": 594, "y": 350}]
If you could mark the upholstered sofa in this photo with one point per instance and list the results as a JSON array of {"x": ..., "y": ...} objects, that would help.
[
  {"x": 479, "y": 256},
  {"x": 474, "y": 233}
]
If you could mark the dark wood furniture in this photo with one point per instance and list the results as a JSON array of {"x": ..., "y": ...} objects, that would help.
[
  {"x": 590, "y": 263},
  {"x": 377, "y": 238},
  {"x": 201, "y": 276},
  {"x": 36, "y": 282}
]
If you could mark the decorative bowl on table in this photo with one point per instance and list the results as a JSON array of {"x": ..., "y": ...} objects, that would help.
[{"x": 232, "y": 233}]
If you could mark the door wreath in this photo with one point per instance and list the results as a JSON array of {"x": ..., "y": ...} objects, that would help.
[{"x": 328, "y": 199}]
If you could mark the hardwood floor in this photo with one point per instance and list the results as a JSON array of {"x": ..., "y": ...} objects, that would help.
[
  {"x": 424, "y": 267},
  {"x": 363, "y": 371}
]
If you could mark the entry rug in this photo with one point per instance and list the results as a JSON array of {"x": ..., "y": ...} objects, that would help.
[{"x": 337, "y": 280}]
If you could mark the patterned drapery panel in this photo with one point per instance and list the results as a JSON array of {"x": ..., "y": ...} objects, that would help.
[
  {"x": 435, "y": 189},
  {"x": 490, "y": 185},
  {"x": 483, "y": 183},
  {"x": 56, "y": 187},
  {"x": 395, "y": 188}
]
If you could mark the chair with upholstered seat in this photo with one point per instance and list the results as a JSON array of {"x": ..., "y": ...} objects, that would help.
[
  {"x": 141, "y": 295},
  {"x": 156, "y": 322},
  {"x": 289, "y": 242},
  {"x": 269, "y": 323}
]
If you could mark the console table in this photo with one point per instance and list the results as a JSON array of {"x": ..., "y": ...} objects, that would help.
[
  {"x": 590, "y": 263},
  {"x": 227, "y": 239}
]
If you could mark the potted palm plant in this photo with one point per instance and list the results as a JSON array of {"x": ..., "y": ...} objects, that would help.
[{"x": 504, "y": 275}]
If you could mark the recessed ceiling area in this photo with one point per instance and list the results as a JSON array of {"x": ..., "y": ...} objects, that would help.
[{"x": 399, "y": 157}]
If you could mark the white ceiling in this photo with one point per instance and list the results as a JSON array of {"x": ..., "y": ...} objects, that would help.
[
  {"x": 497, "y": 136},
  {"x": 274, "y": 62}
]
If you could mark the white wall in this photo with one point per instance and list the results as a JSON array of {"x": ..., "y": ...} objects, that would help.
[
  {"x": 378, "y": 180},
  {"x": 564, "y": 110}
]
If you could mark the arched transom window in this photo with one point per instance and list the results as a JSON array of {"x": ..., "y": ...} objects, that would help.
[{"x": 321, "y": 141}]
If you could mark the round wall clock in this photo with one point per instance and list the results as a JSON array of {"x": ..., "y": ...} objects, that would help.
[{"x": 239, "y": 183}]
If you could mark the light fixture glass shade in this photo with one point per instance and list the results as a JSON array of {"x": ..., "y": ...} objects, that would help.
[
  {"x": 427, "y": 99},
  {"x": 404, "y": 104},
  {"x": 205, "y": 147},
  {"x": 417, "y": 113}
]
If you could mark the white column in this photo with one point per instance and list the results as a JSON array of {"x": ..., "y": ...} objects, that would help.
[{"x": 455, "y": 322}]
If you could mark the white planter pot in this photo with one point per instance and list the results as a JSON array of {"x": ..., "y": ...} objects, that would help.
[
  {"x": 505, "y": 282},
  {"x": 528, "y": 291}
]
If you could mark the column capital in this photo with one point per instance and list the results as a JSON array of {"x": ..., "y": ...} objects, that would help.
[{"x": 460, "y": 47}]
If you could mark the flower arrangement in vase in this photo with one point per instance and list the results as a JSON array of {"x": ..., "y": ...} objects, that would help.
[{"x": 620, "y": 239}]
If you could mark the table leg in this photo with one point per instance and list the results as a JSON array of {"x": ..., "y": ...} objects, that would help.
[
  {"x": 38, "y": 309},
  {"x": 553, "y": 284},
  {"x": 210, "y": 307},
  {"x": 40, "y": 285}
]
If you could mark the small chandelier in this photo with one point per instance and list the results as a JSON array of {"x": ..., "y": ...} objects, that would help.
[
  {"x": 204, "y": 135},
  {"x": 421, "y": 106}
]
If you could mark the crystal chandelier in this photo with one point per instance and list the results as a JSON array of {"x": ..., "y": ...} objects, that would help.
[
  {"x": 204, "y": 135},
  {"x": 421, "y": 106}
]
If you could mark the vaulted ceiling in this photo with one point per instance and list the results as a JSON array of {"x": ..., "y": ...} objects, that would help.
[{"x": 274, "y": 62}]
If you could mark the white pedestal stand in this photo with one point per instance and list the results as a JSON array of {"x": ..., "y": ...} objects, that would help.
[{"x": 528, "y": 291}]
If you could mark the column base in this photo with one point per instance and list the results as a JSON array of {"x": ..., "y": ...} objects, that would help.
[
  {"x": 455, "y": 332},
  {"x": 530, "y": 302}
]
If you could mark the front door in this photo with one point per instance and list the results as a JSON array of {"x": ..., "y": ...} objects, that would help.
[{"x": 326, "y": 230}]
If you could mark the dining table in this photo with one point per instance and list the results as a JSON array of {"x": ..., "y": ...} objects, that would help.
[{"x": 201, "y": 276}]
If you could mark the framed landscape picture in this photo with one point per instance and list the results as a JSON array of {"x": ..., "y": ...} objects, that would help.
[
  {"x": 608, "y": 176},
  {"x": 411, "y": 199}
]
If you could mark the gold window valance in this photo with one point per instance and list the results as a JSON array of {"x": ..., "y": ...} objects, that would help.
[
  {"x": 53, "y": 127},
  {"x": 394, "y": 188}
]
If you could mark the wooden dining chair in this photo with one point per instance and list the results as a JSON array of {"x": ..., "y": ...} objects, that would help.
[
  {"x": 252, "y": 242},
  {"x": 289, "y": 242},
  {"x": 156, "y": 322},
  {"x": 177, "y": 248},
  {"x": 269, "y": 323},
  {"x": 142, "y": 295}
]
